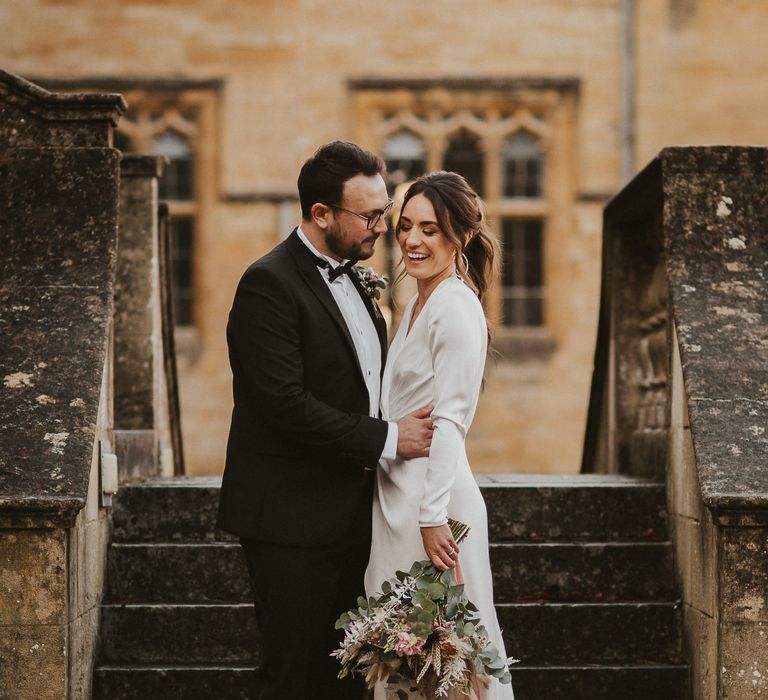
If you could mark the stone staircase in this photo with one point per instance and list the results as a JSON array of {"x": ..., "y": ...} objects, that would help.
[
  {"x": 585, "y": 588},
  {"x": 583, "y": 577}
]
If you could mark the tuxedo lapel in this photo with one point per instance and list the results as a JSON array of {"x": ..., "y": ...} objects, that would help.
[{"x": 308, "y": 270}]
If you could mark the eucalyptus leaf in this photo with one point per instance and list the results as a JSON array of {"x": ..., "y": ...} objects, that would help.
[
  {"x": 449, "y": 577},
  {"x": 436, "y": 590},
  {"x": 416, "y": 569}
]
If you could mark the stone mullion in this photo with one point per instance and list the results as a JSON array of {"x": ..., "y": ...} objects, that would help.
[
  {"x": 491, "y": 147},
  {"x": 435, "y": 147},
  {"x": 204, "y": 276},
  {"x": 557, "y": 224},
  {"x": 144, "y": 133}
]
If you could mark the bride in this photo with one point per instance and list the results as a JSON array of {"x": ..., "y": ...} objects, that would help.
[{"x": 437, "y": 357}]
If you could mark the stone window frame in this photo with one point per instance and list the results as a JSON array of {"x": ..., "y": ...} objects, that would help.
[
  {"x": 152, "y": 111},
  {"x": 189, "y": 107},
  {"x": 494, "y": 109}
]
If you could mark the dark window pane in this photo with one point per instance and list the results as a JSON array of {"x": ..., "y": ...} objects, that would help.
[
  {"x": 509, "y": 273},
  {"x": 533, "y": 178},
  {"x": 533, "y": 273},
  {"x": 533, "y": 312},
  {"x": 522, "y": 166},
  {"x": 512, "y": 312},
  {"x": 182, "y": 248},
  {"x": 532, "y": 236},
  {"x": 522, "y": 272},
  {"x": 465, "y": 157},
  {"x": 177, "y": 182},
  {"x": 532, "y": 253}
]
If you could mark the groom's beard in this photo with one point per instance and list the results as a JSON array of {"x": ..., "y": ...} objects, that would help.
[{"x": 347, "y": 246}]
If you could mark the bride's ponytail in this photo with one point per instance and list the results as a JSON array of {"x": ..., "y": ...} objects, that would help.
[{"x": 479, "y": 259}]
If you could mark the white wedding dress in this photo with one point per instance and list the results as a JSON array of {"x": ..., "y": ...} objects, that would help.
[{"x": 439, "y": 362}]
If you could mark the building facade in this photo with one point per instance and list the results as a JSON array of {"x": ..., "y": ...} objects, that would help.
[{"x": 545, "y": 107}]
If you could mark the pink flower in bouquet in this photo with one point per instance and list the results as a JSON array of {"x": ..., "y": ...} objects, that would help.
[{"x": 408, "y": 644}]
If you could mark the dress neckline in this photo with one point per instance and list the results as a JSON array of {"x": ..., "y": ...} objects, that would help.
[{"x": 412, "y": 303}]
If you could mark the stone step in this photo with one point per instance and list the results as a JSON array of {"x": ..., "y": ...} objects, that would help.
[
  {"x": 581, "y": 507},
  {"x": 216, "y": 572},
  {"x": 606, "y": 572},
  {"x": 173, "y": 682},
  {"x": 179, "y": 634},
  {"x": 631, "y": 682},
  {"x": 533, "y": 508},
  {"x": 591, "y": 633},
  {"x": 177, "y": 573},
  {"x": 551, "y": 634},
  {"x": 181, "y": 509}
]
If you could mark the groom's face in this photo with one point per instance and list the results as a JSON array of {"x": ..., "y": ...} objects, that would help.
[{"x": 347, "y": 235}]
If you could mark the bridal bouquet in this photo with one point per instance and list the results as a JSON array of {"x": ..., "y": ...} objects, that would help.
[{"x": 421, "y": 634}]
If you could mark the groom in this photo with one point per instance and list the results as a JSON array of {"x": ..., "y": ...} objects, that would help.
[{"x": 307, "y": 345}]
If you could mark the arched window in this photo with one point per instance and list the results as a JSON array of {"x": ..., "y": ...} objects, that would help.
[
  {"x": 177, "y": 183},
  {"x": 522, "y": 166},
  {"x": 465, "y": 157},
  {"x": 405, "y": 157},
  {"x": 177, "y": 187}
]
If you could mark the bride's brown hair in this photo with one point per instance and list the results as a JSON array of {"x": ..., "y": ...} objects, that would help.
[{"x": 462, "y": 219}]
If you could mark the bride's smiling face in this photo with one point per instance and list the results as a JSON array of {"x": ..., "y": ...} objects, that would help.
[{"x": 427, "y": 252}]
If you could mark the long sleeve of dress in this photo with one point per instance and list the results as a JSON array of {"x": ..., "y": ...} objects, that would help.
[{"x": 457, "y": 334}]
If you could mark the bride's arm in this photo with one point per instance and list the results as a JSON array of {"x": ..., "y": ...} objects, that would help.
[{"x": 458, "y": 342}]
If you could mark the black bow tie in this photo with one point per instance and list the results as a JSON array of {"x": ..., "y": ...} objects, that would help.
[{"x": 335, "y": 272}]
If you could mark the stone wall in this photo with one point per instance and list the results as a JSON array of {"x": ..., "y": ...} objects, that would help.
[
  {"x": 58, "y": 235},
  {"x": 695, "y": 537}
]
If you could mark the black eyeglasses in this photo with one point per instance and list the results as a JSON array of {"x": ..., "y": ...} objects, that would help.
[{"x": 371, "y": 219}]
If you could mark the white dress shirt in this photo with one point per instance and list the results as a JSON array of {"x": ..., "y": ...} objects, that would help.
[{"x": 364, "y": 337}]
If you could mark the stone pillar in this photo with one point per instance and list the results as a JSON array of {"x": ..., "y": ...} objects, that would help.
[
  {"x": 141, "y": 402},
  {"x": 58, "y": 234}
]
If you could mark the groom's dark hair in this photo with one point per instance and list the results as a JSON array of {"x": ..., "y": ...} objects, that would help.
[{"x": 323, "y": 176}]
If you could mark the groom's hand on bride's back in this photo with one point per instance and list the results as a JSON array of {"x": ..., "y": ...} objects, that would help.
[{"x": 414, "y": 434}]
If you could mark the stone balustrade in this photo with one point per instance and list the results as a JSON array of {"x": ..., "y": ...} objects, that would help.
[
  {"x": 59, "y": 180},
  {"x": 680, "y": 389},
  {"x": 83, "y": 280}
]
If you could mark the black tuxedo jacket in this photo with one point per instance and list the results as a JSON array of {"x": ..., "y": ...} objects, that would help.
[{"x": 301, "y": 436}]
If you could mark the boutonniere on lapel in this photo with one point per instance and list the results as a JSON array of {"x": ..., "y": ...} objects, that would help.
[{"x": 371, "y": 281}]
